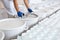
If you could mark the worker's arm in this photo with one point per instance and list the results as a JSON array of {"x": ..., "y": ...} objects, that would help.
[
  {"x": 19, "y": 13},
  {"x": 28, "y": 6},
  {"x": 16, "y": 5},
  {"x": 26, "y": 3}
]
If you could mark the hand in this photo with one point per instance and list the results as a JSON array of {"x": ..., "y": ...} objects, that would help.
[
  {"x": 30, "y": 10},
  {"x": 20, "y": 14}
]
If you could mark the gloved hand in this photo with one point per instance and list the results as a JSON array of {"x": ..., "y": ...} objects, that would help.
[
  {"x": 20, "y": 14},
  {"x": 30, "y": 10}
]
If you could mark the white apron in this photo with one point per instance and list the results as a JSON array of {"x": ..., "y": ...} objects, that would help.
[{"x": 9, "y": 5}]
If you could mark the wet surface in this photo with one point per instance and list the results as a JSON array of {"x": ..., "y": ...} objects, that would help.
[{"x": 48, "y": 28}]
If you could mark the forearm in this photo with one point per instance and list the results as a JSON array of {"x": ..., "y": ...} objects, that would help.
[
  {"x": 26, "y": 3},
  {"x": 16, "y": 5}
]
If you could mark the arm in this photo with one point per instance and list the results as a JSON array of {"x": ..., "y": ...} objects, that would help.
[
  {"x": 16, "y": 5},
  {"x": 19, "y": 13},
  {"x": 28, "y": 6},
  {"x": 26, "y": 3}
]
